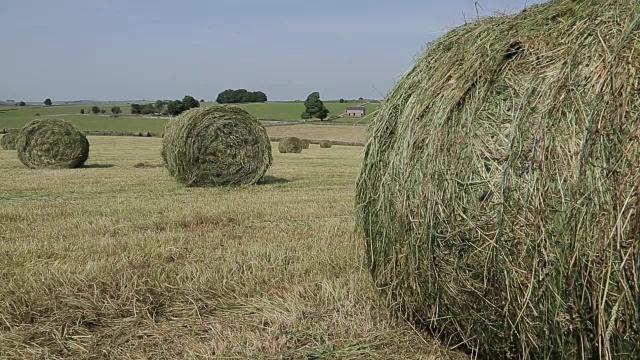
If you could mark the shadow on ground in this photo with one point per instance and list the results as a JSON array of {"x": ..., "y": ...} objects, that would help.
[
  {"x": 269, "y": 180},
  {"x": 98, "y": 166}
]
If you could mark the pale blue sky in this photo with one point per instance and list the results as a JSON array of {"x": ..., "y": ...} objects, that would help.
[{"x": 120, "y": 50}]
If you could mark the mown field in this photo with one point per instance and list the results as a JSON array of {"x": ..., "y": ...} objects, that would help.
[
  {"x": 13, "y": 116},
  {"x": 114, "y": 261}
]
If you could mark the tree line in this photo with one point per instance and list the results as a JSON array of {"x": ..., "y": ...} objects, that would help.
[
  {"x": 166, "y": 107},
  {"x": 231, "y": 96}
]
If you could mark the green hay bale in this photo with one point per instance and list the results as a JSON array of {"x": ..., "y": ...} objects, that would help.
[
  {"x": 305, "y": 143},
  {"x": 325, "y": 144},
  {"x": 8, "y": 141},
  {"x": 52, "y": 143},
  {"x": 214, "y": 146},
  {"x": 498, "y": 197},
  {"x": 290, "y": 145}
]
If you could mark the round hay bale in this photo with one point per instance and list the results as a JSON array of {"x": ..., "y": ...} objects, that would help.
[
  {"x": 291, "y": 145},
  {"x": 8, "y": 140},
  {"x": 219, "y": 145},
  {"x": 305, "y": 143},
  {"x": 52, "y": 143},
  {"x": 498, "y": 197},
  {"x": 325, "y": 144}
]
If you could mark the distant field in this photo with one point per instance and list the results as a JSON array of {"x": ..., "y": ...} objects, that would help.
[
  {"x": 321, "y": 132},
  {"x": 13, "y": 116}
]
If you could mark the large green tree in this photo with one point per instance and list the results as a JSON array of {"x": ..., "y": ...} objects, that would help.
[
  {"x": 48, "y": 102},
  {"x": 314, "y": 107},
  {"x": 231, "y": 96},
  {"x": 95, "y": 109},
  {"x": 116, "y": 110},
  {"x": 190, "y": 102},
  {"x": 175, "y": 107}
]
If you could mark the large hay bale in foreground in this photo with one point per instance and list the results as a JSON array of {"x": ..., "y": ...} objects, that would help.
[
  {"x": 499, "y": 192},
  {"x": 52, "y": 143},
  {"x": 305, "y": 143},
  {"x": 219, "y": 145},
  {"x": 291, "y": 145},
  {"x": 8, "y": 140},
  {"x": 325, "y": 144}
]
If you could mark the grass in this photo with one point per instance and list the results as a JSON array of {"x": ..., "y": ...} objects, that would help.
[
  {"x": 14, "y": 116},
  {"x": 114, "y": 261}
]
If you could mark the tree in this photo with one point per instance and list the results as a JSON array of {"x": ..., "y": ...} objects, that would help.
[
  {"x": 231, "y": 96},
  {"x": 258, "y": 96},
  {"x": 103, "y": 111},
  {"x": 341, "y": 101},
  {"x": 115, "y": 110},
  {"x": 315, "y": 107},
  {"x": 136, "y": 109},
  {"x": 22, "y": 103},
  {"x": 82, "y": 111},
  {"x": 175, "y": 107},
  {"x": 95, "y": 109},
  {"x": 202, "y": 100},
  {"x": 189, "y": 102},
  {"x": 48, "y": 102}
]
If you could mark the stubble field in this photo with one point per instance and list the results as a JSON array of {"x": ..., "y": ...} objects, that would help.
[{"x": 117, "y": 261}]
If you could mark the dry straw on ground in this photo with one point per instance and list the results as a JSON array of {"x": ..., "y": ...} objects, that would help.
[
  {"x": 52, "y": 143},
  {"x": 291, "y": 145},
  {"x": 499, "y": 192},
  {"x": 325, "y": 144},
  {"x": 214, "y": 146},
  {"x": 8, "y": 141}
]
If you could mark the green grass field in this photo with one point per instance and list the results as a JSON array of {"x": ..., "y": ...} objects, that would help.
[
  {"x": 110, "y": 261},
  {"x": 14, "y": 117}
]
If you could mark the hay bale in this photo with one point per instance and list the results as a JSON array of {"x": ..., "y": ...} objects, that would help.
[
  {"x": 498, "y": 198},
  {"x": 213, "y": 146},
  {"x": 290, "y": 145},
  {"x": 8, "y": 140},
  {"x": 325, "y": 144},
  {"x": 52, "y": 143},
  {"x": 305, "y": 143}
]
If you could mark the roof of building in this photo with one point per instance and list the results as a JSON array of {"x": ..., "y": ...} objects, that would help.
[{"x": 355, "y": 108}]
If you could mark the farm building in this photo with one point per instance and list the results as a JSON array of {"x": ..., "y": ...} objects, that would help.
[{"x": 355, "y": 111}]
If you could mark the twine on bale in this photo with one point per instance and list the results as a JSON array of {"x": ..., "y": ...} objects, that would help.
[
  {"x": 498, "y": 198},
  {"x": 218, "y": 145},
  {"x": 52, "y": 143}
]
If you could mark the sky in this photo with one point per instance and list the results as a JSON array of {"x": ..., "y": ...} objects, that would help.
[{"x": 160, "y": 49}]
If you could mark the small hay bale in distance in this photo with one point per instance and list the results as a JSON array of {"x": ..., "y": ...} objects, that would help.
[
  {"x": 305, "y": 143},
  {"x": 8, "y": 141},
  {"x": 219, "y": 145},
  {"x": 325, "y": 144},
  {"x": 290, "y": 145},
  {"x": 52, "y": 143},
  {"x": 498, "y": 196}
]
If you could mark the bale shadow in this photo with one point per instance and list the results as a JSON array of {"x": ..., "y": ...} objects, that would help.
[
  {"x": 269, "y": 180},
  {"x": 146, "y": 165},
  {"x": 98, "y": 166}
]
